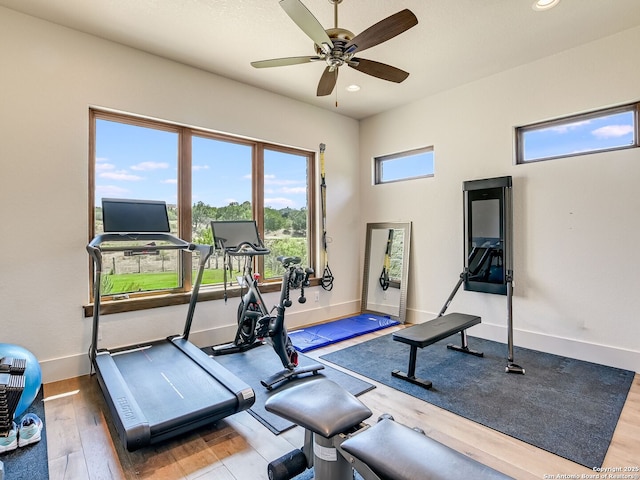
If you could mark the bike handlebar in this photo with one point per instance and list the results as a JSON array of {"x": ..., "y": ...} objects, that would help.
[{"x": 247, "y": 249}]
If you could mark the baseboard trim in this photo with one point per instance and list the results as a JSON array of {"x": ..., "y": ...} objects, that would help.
[
  {"x": 62, "y": 368},
  {"x": 589, "y": 352}
]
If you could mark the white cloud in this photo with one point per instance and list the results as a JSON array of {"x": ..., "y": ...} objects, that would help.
[
  {"x": 170, "y": 181},
  {"x": 120, "y": 175},
  {"x": 109, "y": 191},
  {"x": 195, "y": 168},
  {"x": 569, "y": 126},
  {"x": 103, "y": 167},
  {"x": 272, "y": 180},
  {"x": 294, "y": 190},
  {"x": 279, "y": 202},
  {"x": 613, "y": 131},
  {"x": 150, "y": 166}
]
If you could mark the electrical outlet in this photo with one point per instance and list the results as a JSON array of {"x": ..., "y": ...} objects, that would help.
[{"x": 317, "y": 296}]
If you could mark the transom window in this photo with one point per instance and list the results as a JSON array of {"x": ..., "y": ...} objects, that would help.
[
  {"x": 202, "y": 176},
  {"x": 408, "y": 165},
  {"x": 602, "y": 130}
]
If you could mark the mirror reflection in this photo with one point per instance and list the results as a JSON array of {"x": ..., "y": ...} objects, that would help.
[
  {"x": 386, "y": 269},
  {"x": 486, "y": 240}
]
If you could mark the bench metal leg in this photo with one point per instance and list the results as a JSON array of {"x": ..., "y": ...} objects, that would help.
[
  {"x": 464, "y": 346},
  {"x": 411, "y": 375}
]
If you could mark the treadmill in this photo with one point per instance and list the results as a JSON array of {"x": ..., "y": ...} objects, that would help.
[{"x": 167, "y": 387}]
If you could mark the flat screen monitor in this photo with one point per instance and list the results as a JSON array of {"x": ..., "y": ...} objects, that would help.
[
  {"x": 134, "y": 216},
  {"x": 231, "y": 233}
]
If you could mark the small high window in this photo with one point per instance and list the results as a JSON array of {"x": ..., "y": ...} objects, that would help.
[
  {"x": 396, "y": 167},
  {"x": 603, "y": 130}
]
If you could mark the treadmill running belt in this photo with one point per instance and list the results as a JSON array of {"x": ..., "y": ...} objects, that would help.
[{"x": 177, "y": 390}]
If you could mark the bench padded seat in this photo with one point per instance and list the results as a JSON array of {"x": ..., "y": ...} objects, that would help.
[
  {"x": 395, "y": 452},
  {"x": 435, "y": 330},
  {"x": 423, "y": 334}
]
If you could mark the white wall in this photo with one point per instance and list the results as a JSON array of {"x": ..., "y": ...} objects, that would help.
[
  {"x": 576, "y": 219},
  {"x": 50, "y": 76}
]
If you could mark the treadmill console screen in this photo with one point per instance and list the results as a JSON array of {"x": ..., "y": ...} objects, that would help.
[{"x": 134, "y": 216}]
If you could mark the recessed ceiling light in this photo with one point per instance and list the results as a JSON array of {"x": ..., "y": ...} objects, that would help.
[
  {"x": 541, "y": 5},
  {"x": 353, "y": 88}
]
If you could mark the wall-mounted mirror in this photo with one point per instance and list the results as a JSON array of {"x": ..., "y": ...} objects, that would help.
[{"x": 386, "y": 269}]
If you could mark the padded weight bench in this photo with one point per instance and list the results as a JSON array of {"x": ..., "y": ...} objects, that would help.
[
  {"x": 337, "y": 440},
  {"x": 396, "y": 452},
  {"x": 424, "y": 334}
]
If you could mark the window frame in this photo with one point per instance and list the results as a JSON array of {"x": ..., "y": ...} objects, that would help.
[
  {"x": 520, "y": 131},
  {"x": 379, "y": 161},
  {"x": 181, "y": 295}
]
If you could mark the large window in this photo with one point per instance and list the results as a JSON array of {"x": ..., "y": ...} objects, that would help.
[
  {"x": 202, "y": 176},
  {"x": 602, "y": 130},
  {"x": 408, "y": 165}
]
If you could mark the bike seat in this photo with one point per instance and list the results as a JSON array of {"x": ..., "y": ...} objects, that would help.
[
  {"x": 286, "y": 261},
  {"x": 321, "y": 406}
]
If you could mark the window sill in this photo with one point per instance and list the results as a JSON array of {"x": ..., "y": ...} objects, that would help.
[{"x": 145, "y": 303}]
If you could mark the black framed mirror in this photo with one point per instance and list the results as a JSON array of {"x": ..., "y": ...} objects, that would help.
[{"x": 488, "y": 236}]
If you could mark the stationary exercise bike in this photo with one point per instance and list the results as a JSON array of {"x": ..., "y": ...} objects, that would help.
[{"x": 257, "y": 325}]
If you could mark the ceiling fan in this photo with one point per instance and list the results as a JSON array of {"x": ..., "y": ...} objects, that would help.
[{"x": 337, "y": 46}]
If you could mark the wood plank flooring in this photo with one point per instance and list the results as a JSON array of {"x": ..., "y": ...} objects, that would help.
[{"x": 83, "y": 445}]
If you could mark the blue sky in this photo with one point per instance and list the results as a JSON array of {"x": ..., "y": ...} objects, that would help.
[
  {"x": 141, "y": 163},
  {"x": 586, "y": 135},
  {"x": 409, "y": 166}
]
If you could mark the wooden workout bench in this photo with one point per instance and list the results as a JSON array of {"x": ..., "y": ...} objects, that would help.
[{"x": 423, "y": 334}]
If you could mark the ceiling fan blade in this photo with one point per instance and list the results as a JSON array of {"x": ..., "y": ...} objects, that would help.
[
  {"x": 327, "y": 81},
  {"x": 383, "y": 31},
  {"x": 379, "y": 70},
  {"x": 282, "y": 62},
  {"x": 307, "y": 23}
]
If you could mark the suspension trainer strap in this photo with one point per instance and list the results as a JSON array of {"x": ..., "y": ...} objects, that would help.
[{"x": 327, "y": 275}]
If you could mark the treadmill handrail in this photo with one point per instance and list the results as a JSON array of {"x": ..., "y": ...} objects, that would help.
[
  {"x": 95, "y": 250},
  {"x": 174, "y": 242}
]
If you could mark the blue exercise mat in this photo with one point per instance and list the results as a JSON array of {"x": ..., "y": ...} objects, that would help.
[{"x": 324, "y": 334}]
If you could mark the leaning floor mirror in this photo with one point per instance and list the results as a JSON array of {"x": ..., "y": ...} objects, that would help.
[{"x": 386, "y": 269}]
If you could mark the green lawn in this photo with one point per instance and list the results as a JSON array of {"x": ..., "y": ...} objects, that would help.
[{"x": 135, "y": 282}]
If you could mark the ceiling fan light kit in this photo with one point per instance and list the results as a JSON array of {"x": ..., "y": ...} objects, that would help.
[{"x": 338, "y": 46}]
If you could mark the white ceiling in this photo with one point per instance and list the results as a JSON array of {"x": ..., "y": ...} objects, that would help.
[{"x": 455, "y": 41}]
